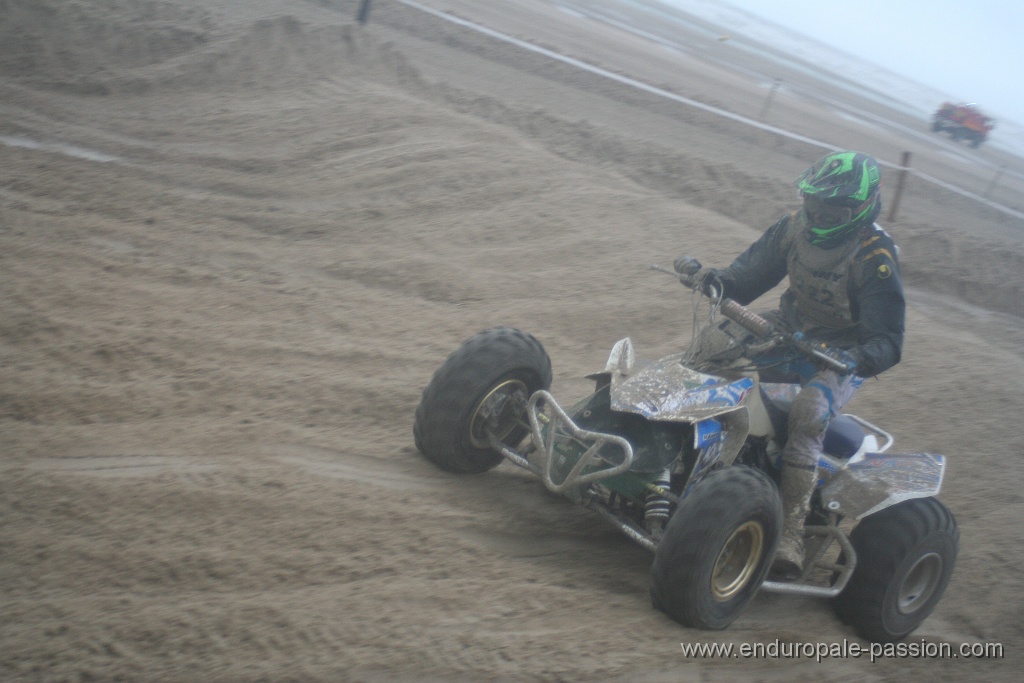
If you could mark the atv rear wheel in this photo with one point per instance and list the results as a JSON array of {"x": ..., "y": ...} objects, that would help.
[
  {"x": 905, "y": 558},
  {"x": 480, "y": 391},
  {"x": 717, "y": 548}
]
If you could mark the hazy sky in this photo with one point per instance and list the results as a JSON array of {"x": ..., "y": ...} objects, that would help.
[{"x": 971, "y": 49}]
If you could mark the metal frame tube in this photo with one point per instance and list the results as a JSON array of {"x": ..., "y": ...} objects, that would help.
[
  {"x": 845, "y": 570},
  {"x": 597, "y": 440}
]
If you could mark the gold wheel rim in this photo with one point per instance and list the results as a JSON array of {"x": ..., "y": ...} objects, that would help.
[
  {"x": 498, "y": 413},
  {"x": 737, "y": 561}
]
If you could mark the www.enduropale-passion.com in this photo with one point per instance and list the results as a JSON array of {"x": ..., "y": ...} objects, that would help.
[{"x": 844, "y": 649}]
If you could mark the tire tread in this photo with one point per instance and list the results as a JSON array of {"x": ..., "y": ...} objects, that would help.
[
  {"x": 677, "y": 583},
  {"x": 884, "y": 541},
  {"x": 478, "y": 363}
]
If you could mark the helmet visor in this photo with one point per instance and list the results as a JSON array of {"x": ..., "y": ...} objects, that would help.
[{"x": 823, "y": 215}]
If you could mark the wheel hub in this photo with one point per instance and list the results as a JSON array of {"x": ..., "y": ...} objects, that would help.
[
  {"x": 498, "y": 413},
  {"x": 737, "y": 561},
  {"x": 919, "y": 584}
]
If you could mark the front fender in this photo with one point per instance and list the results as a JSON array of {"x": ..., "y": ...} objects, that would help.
[{"x": 668, "y": 391}]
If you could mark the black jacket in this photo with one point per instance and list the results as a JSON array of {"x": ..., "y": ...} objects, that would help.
[{"x": 875, "y": 292}]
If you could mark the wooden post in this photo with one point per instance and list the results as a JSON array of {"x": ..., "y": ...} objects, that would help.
[
  {"x": 901, "y": 177},
  {"x": 768, "y": 99},
  {"x": 364, "y": 11},
  {"x": 995, "y": 179}
]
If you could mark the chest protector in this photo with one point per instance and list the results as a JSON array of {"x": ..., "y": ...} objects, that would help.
[{"x": 819, "y": 278}]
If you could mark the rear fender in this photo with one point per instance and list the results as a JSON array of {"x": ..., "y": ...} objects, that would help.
[{"x": 879, "y": 480}]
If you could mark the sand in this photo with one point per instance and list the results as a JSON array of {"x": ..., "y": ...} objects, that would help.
[{"x": 238, "y": 237}]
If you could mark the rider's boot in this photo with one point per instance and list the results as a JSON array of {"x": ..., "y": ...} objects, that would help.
[{"x": 797, "y": 486}]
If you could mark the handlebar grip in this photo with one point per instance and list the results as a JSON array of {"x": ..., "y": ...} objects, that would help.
[
  {"x": 747, "y": 318},
  {"x": 760, "y": 326}
]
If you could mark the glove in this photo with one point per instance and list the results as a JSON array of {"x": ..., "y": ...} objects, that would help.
[
  {"x": 686, "y": 265},
  {"x": 693, "y": 274},
  {"x": 711, "y": 282}
]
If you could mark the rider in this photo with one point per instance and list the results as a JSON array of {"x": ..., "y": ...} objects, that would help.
[{"x": 844, "y": 291}]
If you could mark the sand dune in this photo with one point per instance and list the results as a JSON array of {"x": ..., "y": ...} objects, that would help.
[{"x": 237, "y": 239}]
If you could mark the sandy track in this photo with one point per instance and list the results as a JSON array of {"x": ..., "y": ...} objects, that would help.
[{"x": 211, "y": 347}]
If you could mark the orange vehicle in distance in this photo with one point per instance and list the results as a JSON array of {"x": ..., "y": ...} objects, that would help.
[{"x": 963, "y": 122}]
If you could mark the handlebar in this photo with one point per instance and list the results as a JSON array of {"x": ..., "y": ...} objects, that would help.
[{"x": 755, "y": 323}]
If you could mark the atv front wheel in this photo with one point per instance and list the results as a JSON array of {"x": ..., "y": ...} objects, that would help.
[
  {"x": 905, "y": 558},
  {"x": 717, "y": 548},
  {"x": 480, "y": 392}
]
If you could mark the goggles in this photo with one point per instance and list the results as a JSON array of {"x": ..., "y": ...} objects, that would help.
[{"x": 823, "y": 215}]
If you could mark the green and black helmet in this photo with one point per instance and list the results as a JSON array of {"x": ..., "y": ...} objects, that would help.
[{"x": 841, "y": 195}]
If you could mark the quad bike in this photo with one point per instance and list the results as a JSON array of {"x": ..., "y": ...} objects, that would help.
[{"x": 686, "y": 464}]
